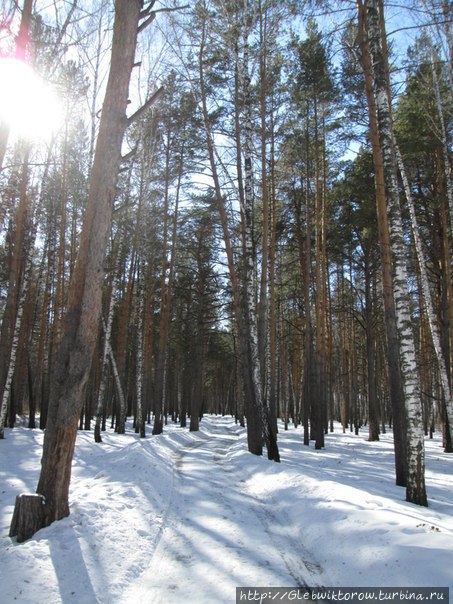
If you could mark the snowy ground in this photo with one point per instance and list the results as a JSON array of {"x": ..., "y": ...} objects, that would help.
[{"x": 187, "y": 517}]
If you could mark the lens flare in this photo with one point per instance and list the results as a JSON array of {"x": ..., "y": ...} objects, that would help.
[{"x": 28, "y": 104}]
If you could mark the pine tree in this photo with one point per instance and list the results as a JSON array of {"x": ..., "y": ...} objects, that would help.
[{"x": 73, "y": 359}]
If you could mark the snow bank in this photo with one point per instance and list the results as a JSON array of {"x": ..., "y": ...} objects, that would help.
[{"x": 189, "y": 516}]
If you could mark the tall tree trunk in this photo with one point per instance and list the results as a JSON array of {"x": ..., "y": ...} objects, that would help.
[
  {"x": 446, "y": 310},
  {"x": 166, "y": 300},
  {"x": 257, "y": 393},
  {"x": 71, "y": 367},
  {"x": 199, "y": 354},
  {"x": 251, "y": 377},
  {"x": 140, "y": 413},
  {"x": 393, "y": 362},
  {"x": 317, "y": 408},
  {"x": 304, "y": 253},
  {"x": 310, "y": 393},
  {"x": 426, "y": 294},
  {"x": 373, "y": 412},
  {"x": 272, "y": 297},
  {"x": 16, "y": 269},
  {"x": 254, "y": 432},
  {"x": 15, "y": 342},
  {"x": 104, "y": 367},
  {"x": 264, "y": 277},
  {"x": 124, "y": 312},
  {"x": 415, "y": 487}
]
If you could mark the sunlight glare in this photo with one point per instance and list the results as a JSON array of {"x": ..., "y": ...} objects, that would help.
[{"x": 28, "y": 104}]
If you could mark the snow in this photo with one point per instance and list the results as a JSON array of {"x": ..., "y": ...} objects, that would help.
[{"x": 187, "y": 517}]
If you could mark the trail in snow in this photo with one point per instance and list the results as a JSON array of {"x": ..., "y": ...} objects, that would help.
[
  {"x": 189, "y": 516},
  {"x": 217, "y": 535}
]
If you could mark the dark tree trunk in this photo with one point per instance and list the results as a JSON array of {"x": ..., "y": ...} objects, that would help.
[{"x": 28, "y": 516}]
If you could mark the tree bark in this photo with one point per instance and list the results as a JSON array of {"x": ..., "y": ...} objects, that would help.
[
  {"x": 393, "y": 363},
  {"x": 426, "y": 295},
  {"x": 373, "y": 412},
  {"x": 28, "y": 516},
  {"x": 73, "y": 358},
  {"x": 140, "y": 414},
  {"x": 15, "y": 343},
  {"x": 257, "y": 393},
  {"x": 16, "y": 270},
  {"x": 415, "y": 487},
  {"x": 104, "y": 367}
]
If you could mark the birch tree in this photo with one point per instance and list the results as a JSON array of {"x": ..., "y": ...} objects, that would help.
[
  {"x": 415, "y": 487},
  {"x": 257, "y": 391},
  {"x": 241, "y": 266},
  {"x": 388, "y": 295},
  {"x": 16, "y": 334},
  {"x": 426, "y": 295},
  {"x": 104, "y": 365}
]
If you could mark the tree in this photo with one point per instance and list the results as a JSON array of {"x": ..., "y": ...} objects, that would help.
[
  {"x": 356, "y": 239},
  {"x": 259, "y": 426},
  {"x": 175, "y": 128},
  {"x": 17, "y": 320},
  {"x": 311, "y": 88},
  {"x": 415, "y": 487},
  {"x": 196, "y": 299},
  {"x": 73, "y": 359},
  {"x": 393, "y": 360},
  {"x": 427, "y": 205}
]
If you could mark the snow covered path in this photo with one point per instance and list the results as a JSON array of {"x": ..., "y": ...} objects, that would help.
[
  {"x": 217, "y": 535},
  {"x": 186, "y": 517}
]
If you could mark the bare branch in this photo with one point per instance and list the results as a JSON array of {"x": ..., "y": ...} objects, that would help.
[
  {"x": 146, "y": 11},
  {"x": 171, "y": 10},
  {"x": 152, "y": 99},
  {"x": 129, "y": 155},
  {"x": 66, "y": 23},
  {"x": 147, "y": 22},
  {"x": 152, "y": 15}
]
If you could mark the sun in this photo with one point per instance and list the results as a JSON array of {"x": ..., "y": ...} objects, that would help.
[{"x": 28, "y": 104}]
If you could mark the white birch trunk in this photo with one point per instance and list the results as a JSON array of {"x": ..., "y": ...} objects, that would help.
[
  {"x": 121, "y": 421},
  {"x": 28, "y": 244},
  {"x": 426, "y": 294},
  {"x": 249, "y": 262},
  {"x": 415, "y": 489},
  {"x": 105, "y": 360},
  {"x": 15, "y": 344}
]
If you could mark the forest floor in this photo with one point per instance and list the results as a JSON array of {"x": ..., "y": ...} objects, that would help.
[{"x": 188, "y": 517}]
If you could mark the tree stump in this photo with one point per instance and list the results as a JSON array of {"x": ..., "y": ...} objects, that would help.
[{"x": 28, "y": 516}]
